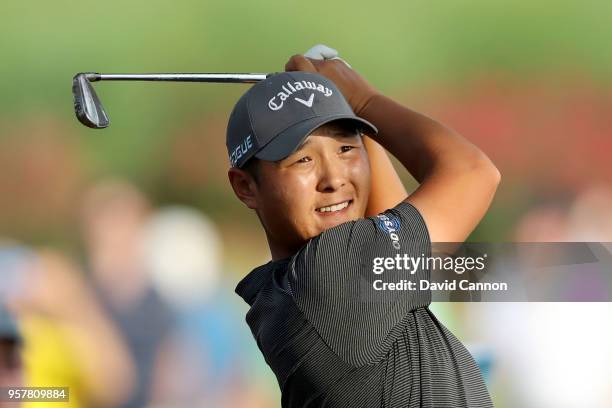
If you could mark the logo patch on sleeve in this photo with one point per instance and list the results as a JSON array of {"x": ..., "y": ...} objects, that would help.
[{"x": 390, "y": 225}]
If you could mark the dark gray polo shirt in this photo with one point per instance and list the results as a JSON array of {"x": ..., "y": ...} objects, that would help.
[{"x": 332, "y": 340}]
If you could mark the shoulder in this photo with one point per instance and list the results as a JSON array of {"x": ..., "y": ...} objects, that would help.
[
  {"x": 400, "y": 223},
  {"x": 252, "y": 283}
]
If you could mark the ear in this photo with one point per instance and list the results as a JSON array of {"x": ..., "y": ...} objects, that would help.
[{"x": 244, "y": 186}]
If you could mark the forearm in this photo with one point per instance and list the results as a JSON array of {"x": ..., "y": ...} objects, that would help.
[
  {"x": 387, "y": 189},
  {"x": 421, "y": 144}
]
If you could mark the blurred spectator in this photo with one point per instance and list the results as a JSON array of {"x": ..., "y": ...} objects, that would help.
[
  {"x": 204, "y": 363},
  {"x": 113, "y": 215},
  {"x": 555, "y": 354},
  {"x": 590, "y": 216},
  {"x": 11, "y": 373},
  {"x": 547, "y": 224},
  {"x": 68, "y": 341},
  {"x": 11, "y": 362}
]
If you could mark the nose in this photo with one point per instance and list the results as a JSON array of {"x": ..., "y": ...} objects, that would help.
[{"x": 332, "y": 175}]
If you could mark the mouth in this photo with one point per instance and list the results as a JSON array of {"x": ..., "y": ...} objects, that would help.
[{"x": 334, "y": 209}]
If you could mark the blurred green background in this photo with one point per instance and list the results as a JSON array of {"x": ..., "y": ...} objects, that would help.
[
  {"x": 528, "y": 82},
  {"x": 451, "y": 59}
]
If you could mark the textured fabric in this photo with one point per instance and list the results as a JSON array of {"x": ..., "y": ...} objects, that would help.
[{"x": 334, "y": 341}]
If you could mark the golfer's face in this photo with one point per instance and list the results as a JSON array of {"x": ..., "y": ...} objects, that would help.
[{"x": 324, "y": 183}]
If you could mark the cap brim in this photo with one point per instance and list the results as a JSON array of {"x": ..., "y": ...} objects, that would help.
[{"x": 290, "y": 139}]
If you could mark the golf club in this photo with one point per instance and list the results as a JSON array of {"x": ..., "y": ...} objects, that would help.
[{"x": 90, "y": 112}]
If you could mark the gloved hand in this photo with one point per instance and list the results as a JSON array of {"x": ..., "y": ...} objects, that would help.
[
  {"x": 325, "y": 61},
  {"x": 323, "y": 52}
]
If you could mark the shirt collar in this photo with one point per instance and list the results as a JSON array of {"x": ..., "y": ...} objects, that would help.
[{"x": 251, "y": 284}]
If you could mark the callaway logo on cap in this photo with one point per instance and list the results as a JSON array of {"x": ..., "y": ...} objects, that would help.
[{"x": 273, "y": 117}]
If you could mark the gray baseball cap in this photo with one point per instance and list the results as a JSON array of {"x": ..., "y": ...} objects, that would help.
[{"x": 272, "y": 119}]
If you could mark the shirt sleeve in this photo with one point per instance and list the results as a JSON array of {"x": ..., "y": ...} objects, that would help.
[{"x": 334, "y": 279}]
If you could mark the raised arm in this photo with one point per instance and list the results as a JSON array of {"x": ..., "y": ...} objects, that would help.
[
  {"x": 387, "y": 189},
  {"x": 457, "y": 180}
]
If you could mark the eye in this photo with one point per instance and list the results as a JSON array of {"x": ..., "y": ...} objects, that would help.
[
  {"x": 345, "y": 149},
  {"x": 304, "y": 159}
]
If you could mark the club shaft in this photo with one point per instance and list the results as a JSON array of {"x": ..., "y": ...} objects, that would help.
[{"x": 208, "y": 77}]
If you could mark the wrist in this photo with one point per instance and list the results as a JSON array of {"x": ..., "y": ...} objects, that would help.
[{"x": 365, "y": 107}]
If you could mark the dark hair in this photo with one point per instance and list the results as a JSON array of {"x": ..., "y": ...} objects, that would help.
[{"x": 252, "y": 167}]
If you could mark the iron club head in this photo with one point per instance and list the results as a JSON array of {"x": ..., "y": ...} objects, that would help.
[{"x": 87, "y": 106}]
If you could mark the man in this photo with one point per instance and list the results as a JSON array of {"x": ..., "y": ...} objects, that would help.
[{"x": 299, "y": 160}]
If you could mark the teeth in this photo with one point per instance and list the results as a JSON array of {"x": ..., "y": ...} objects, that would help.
[{"x": 335, "y": 207}]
